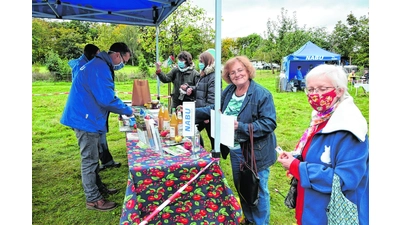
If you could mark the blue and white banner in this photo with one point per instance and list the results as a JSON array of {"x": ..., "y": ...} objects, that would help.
[{"x": 188, "y": 115}]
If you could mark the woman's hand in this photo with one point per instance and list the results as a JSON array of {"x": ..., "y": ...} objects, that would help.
[
  {"x": 158, "y": 65},
  {"x": 189, "y": 91},
  {"x": 286, "y": 159}
]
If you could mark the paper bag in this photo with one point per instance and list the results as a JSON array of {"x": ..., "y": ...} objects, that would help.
[{"x": 140, "y": 92}]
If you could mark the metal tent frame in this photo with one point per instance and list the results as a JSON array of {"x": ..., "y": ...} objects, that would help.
[{"x": 138, "y": 13}]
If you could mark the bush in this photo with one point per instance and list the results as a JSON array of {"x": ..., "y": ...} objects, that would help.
[
  {"x": 36, "y": 76},
  {"x": 143, "y": 67},
  {"x": 58, "y": 67}
]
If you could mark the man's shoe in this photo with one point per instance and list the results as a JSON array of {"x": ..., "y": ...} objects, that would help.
[
  {"x": 101, "y": 205},
  {"x": 115, "y": 165}
]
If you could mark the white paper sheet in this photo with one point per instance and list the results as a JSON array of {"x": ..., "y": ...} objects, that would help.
[{"x": 227, "y": 132}]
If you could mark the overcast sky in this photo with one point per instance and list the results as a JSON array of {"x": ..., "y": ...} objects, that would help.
[{"x": 244, "y": 17}]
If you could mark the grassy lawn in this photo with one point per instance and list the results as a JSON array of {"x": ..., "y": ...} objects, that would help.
[{"x": 57, "y": 193}]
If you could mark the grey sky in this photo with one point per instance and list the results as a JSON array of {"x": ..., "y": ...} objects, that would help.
[{"x": 244, "y": 17}]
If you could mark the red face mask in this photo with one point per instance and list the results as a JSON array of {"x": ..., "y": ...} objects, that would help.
[{"x": 321, "y": 102}]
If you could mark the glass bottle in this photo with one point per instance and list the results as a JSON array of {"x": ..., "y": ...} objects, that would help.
[
  {"x": 166, "y": 119},
  {"x": 173, "y": 126},
  {"x": 160, "y": 118},
  {"x": 180, "y": 124}
]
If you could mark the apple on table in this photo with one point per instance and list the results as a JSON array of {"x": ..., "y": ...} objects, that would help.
[
  {"x": 178, "y": 139},
  {"x": 187, "y": 145}
]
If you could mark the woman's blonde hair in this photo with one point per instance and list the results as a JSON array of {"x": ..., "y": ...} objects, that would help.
[{"x": 248, "y": 66}]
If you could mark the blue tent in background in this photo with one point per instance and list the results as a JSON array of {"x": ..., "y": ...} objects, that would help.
[{"x": 308, "y": 55}]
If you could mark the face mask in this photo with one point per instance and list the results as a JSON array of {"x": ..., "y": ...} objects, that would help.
[
  {"x": 181, "y": 64},
  {"x": 201, "y": 66},
  {"x": 321, "y": 102},
  {"x": 120, "y": 65}
]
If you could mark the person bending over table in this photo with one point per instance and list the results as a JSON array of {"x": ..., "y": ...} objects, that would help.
[
  {"x": 90, "y": 100},
  {"x": 89, "y": 52}
]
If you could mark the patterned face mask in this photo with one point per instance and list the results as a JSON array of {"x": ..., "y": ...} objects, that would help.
[{"x": 321, "y": 102}]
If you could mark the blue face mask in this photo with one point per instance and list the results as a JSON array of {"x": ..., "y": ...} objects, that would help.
[
  {"x": 201, "y": 66},
  {"x": 181, "y": 64},
  {"x": 119, "y": 66}
]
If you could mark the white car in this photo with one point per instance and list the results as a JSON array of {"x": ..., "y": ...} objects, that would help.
[
  {"x": 258, "y": 65},
  {"x": 268, "y": 66}
]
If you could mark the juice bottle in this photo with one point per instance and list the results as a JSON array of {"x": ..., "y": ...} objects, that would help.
[
  {"x": 180, "y": 124},
  {"x": 173, "y": 125},
  {"x": 166, "y": 119},
  {"x": 160, "y": 118}
]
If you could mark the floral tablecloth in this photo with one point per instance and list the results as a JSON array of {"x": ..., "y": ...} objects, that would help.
[{"x": 153, "y": 179}]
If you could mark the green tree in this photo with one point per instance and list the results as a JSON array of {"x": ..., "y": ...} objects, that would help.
[
  {"x": 129, "y": 35},
  {"x": 143, "y": 68},
  {"x": 284, "y": 36},
  {"x": 352, "y": 40},
  {"x": 229, "y": 49},
  {"x": 67, "y": 43},
  {"x": 41, "y": 39},
  {"x": 57, "y": 66},
  {"x": 187, "y": 28},
  {"x": 106, "y": 36}
]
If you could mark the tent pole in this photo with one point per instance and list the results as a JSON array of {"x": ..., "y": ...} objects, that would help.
[
  {"x": 157, "y": 60},
  {"x": 216, "y": 151}
]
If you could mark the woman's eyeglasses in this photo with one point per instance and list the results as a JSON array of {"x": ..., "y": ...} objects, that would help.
[
  {"x": 234, "y": 73},
  {"x": 123, "y": 60},
  {"x": 317, "y": 90}
]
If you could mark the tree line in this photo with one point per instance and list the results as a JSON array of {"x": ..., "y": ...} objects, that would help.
[{"x": 54, "y": 42}]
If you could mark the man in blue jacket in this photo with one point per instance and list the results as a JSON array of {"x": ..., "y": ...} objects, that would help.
[
  {"x": 90, "y": 101},
  {"x": 89, "y": 52}
]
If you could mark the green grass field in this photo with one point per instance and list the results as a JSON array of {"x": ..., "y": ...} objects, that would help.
[{"x": 57, "y": 193}]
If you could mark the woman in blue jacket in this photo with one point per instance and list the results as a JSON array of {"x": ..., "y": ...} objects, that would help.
[
  {"x": 250, "y": 103},
  {"x": 336, "y": 142}
]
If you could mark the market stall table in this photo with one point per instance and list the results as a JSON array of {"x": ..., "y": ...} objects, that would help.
[
  {"x": 154, "y": 178},
  {"x": 363, "y": 85}
]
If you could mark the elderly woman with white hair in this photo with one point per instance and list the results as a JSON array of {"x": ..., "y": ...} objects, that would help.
[{"x": 336, "y": 142}]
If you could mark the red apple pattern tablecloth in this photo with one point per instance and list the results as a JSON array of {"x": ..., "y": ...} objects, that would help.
[{"x": 153, "y": 179}]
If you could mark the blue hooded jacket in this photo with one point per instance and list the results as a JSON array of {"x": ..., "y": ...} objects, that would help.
[
  {"x": 76, "y": 64},
  {"x": 92, "y": 97}
]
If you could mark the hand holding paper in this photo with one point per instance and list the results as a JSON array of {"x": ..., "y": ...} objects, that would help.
[{"x": 228, "y": 123}]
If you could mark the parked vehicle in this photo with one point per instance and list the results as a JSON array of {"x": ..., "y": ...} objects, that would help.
[
  {"x": 258, "y": 65},
  {"x": 268, "y": 66}
]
